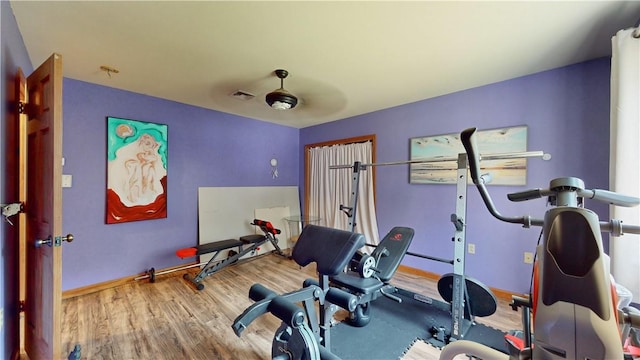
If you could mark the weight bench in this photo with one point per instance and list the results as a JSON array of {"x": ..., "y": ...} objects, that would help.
[
  {"x": 304, "y": 333},
  {"x": 368, "y": 277},
  {"x": 252, "y": 243}
]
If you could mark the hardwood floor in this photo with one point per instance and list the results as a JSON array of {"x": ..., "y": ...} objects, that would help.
[{"x": 169, "y": 319}]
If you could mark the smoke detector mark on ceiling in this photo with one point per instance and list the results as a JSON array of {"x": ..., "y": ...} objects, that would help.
[{"x": 242, "y": 95}]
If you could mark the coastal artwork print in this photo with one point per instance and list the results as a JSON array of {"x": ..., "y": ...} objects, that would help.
[
  {"x": 136, "y": 170},
  {"x": 496, "y": 141}
]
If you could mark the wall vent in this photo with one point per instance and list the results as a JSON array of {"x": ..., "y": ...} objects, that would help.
[{"x": 242, "y": 95}]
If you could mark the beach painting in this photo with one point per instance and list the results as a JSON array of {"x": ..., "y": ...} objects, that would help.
[
  {"x": 495, "y": 141},
  {"x": 136, "y": 170}
]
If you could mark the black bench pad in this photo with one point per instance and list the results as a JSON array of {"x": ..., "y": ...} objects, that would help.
[
  {"x": 252, "y": 239},
  {"x": 355, "y": 283},
  {"x": 397, "y": 242},
  {"x": 217, "y": 246},
  {"x": 331, "y": 249}
]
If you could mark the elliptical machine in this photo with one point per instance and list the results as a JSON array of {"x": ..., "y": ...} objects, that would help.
[{"x": 574, "y": 312}]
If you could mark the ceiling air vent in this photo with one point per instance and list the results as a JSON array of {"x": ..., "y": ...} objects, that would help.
[{"x": 242, "y": 95}]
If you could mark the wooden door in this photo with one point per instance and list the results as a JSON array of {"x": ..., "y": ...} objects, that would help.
[{"x": 43, "y": 208}]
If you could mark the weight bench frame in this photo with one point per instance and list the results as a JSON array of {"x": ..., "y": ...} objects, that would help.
[
  {"x": 388, "y": 254},
  {"x": 212, "y": 266},
  {"x": 331, "y": 250}
]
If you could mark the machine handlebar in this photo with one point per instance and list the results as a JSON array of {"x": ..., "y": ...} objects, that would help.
[
  {"x": 610, "y": 197},
  {"x": 525, "y": 195},
  {"x": 606, "y": 196},
  {"x": 468, "y": 138},
  {"x": 470, "y": 144}
]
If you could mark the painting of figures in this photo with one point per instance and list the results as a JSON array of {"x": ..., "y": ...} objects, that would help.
[
  {"x": 496, "y": 141},
  {"x": 136, "y": 170}
]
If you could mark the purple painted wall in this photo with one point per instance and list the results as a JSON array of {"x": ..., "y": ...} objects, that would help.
[
  {"x": 14, "y": 56},
  {"x": 206, "y": 148},
  {"x": 566, "y": 110},
  {"x": 567, "y": 114}
]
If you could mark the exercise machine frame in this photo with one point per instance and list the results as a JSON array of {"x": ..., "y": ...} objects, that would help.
[
  {"x": 569, "y": 325},
  {"x": 305, "y": 333},
  {"x": 459, "y": 296}
]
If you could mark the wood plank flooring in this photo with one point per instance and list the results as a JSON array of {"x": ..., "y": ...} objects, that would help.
[{"x": 169, "y": 319}]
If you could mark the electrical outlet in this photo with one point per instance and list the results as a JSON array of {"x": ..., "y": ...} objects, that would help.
[
  {"x": 528, "y": 257},
  {"x": 471, "y": 248},
  {"x": 67, "y": 181}
]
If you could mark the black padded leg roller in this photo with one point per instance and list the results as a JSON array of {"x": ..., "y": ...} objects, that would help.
[
  {"x": 259, "y": 292},
  {"x": 290, "y": 313},
  {"x": 342, "y": 298}
]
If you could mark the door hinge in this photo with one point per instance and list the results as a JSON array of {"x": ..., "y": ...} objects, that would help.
[
  {"x": 21, "y": 306},
  {"x": 22, "y": 107},
  {"x": 25, "y": 108},
  {"x": 9, "y": 210}
]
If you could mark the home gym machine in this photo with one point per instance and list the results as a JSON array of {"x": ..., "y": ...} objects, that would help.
[
  {"x": 305, "y": 333},
  {"x": 468, "y": 297},
  {"x": 368, "y": 276},
  {"x": 237, "y": 249},
  {"x": 574, "y": 312}
]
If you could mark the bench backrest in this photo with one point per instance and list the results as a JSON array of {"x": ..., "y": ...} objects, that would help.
[{"x": 331, "y": 249}]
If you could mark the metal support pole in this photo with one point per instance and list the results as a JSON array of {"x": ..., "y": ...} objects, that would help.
[
  {"x": 458, "y": 297},
  {"x": 352, "y": 209}
]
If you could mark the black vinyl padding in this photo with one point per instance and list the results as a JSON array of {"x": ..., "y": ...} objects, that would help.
[
  {"x": 252, "y": 239},
  {"x": 355, "y": 283},
  {"x": 331, "y": 249},
  {"x": 574, "y": 269},
  {"x": 285, "y": 310},
  {"x": 217, "y": 246},
  {"x": 397, "y": 242}
]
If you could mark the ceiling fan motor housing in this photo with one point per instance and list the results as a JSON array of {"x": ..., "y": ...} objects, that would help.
[{"x": 281, "y": 99}]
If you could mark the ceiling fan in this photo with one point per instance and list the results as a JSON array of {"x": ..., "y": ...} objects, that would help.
[
  {"x": 254, "y": 96},
  {"x": 281, "y": 99}
]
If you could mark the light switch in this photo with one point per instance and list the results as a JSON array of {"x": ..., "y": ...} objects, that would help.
[{"x": 66, "y": 180}]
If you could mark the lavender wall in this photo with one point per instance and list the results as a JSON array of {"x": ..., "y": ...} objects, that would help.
[
  {"x": 566, "y": 110},
  {"x": 206, "y": 148},
  {"x": 567, "y": 114},
  {"x": 14, "y": 55}
]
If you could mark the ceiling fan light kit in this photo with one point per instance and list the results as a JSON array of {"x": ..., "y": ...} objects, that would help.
[{"x": 281, "y": 99}]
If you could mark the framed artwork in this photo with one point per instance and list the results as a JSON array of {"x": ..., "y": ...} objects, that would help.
[
  {"x": 136, "y": 170},
  {"x": 496, "y": 141}
]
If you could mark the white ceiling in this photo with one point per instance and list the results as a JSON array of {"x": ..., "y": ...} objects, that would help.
[{"x": 344, "y": 58}]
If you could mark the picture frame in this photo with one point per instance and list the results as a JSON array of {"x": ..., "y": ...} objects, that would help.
[
  {"x": 136, "y": 170},
  {"x": 494, "y": 141}
]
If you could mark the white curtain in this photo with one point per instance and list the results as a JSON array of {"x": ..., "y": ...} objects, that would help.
[
  {"x": 328, "y": 189},
  {"x": 625, "y": 154}
]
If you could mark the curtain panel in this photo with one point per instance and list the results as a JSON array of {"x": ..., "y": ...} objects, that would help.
[
  {"x": 624, "y": 174},
  {"x": 328, "y": 189}
]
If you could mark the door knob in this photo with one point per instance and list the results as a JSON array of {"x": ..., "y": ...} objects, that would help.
[
  {"x": 46, "y": 241},
  {"x": 54, "y": 242}
]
